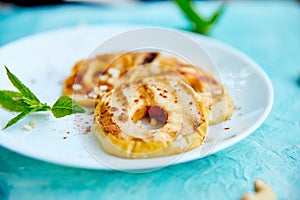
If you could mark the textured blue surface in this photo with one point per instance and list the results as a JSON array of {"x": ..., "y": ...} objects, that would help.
[{"x": 269, "y": 32}]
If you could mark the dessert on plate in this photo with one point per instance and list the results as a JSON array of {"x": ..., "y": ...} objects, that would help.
[{"x": 147, "y": 104}]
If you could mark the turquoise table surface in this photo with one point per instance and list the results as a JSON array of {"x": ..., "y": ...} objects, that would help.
[{"x": 267, "y": 31}]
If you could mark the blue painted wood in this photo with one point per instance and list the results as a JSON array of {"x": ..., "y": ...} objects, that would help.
[{"x": 269, "y": 32}]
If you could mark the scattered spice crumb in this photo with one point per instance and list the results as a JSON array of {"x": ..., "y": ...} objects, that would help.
[
  {"x": 114, "y": 109},
  {"x": 87, "y": 130},
  {"x": 227, "y": 128},
  {"x": 64, "y": 137},
  {"x": 123, "y": 117},
  {"x": 61, "y": 82},
  {"x": 238, "y": 108},
  {"x": 68, "y": 132},
  {"x": 76, "y": 87}
]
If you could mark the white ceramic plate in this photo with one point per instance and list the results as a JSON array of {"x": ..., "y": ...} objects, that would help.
[{"x": 43, "y": 61}]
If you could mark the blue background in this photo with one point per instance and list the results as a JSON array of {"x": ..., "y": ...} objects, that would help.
[{"x": 267, "y": 31}]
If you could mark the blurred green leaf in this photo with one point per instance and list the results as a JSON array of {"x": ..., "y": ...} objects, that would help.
[{"x": 200, "y": 24}]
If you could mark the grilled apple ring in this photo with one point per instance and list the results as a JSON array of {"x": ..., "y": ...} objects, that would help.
[
  {"x": 150, "y": 117},
  {"x": 217, "y": 99},
  {"x": 215, "y": 95},
  {"x": 90, "y": 79}
]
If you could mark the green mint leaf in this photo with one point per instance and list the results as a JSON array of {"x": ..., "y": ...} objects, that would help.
[
  {"x": 66, "y": 106},
  {"x": 18, "y": 117},
  {"x": 215, "y": 17},
  {"x": 12, "y": 101},
  {"x": 20, "y": 86},
  {"x": 200, "y": 24}
]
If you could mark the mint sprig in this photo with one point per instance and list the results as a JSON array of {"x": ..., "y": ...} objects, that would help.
[{"x": 25, "y": 102}]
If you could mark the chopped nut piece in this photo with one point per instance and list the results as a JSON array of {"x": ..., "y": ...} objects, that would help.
[
  {"x": 77, "y": 87},
  {"x": 218, "y": 92},
  {"x": 103, "y": 87},
  {"x": 114, "y": 72},
  {"x": 27, "y": 127},
  {"x": 103, "y": 77},
  {"x": 139, "y": 124},
  {"x": 179, "y": 137},
  {"x": 153, "y": 122},
  {"x": 111, "y": 81},
  {"x": 262, "y": 192},
  {"x": 33, "y": 124},
  {"x": 92, "y": 95}
]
